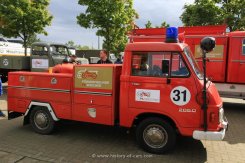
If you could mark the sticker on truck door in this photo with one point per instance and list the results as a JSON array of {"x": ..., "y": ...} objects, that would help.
[
  {"x": 146, "y": 95},
  {"x": 40, "y": 63},
  {"x": 180, "y": 96}
]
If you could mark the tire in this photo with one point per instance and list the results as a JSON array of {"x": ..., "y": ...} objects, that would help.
[
  {"x": 41, "y": 120},
  {"x": 164, "y": 139}
]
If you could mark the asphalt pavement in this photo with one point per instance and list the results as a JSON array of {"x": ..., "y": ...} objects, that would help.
[{"x": 81, "y": 142}]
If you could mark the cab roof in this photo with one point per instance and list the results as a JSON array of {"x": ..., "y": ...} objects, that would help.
[
  {"x": 237, "y": 34},
  {"x": 47, "y": 44},
  {"x": 155, "y": 46}
]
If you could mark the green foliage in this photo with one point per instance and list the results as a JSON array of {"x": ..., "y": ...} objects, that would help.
[
  {"x": 31, "y": 39},
  {"x": 148, "y": 24},
  {"x": 24, "y": 18},
  {"x": 216, "y": 12},
  {"x": 112, "y": 19},
  {"x": 163, "y": 25},
  {"x": 78, "y": 47},
  {"x": 71, "y": 44}
]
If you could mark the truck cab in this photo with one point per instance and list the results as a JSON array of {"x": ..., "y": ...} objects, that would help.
[
  {"x": 162, "y": 80},
  {"x": 45, "y": 55}
]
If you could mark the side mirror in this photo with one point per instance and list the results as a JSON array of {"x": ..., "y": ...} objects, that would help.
[
  {"x": 165, "y": 66},
  {"x": 208, "y": 44}
]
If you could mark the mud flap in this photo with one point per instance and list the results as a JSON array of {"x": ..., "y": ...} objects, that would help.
[{"x": 13, "y": 115}]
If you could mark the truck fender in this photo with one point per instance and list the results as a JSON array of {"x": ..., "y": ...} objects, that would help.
[
  {"x": 143, "y": 116},
  {"x": 47, "y": 105}
]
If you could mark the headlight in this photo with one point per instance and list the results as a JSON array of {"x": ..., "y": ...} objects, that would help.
[{"x": 221, "y": 115}]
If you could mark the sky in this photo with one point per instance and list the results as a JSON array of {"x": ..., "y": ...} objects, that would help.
[{"x": 65, "y": 28}]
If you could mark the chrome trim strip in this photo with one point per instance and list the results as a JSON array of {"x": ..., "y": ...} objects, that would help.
[
  {"x": 41, "y": 89},
  {"x": 93, "y": 93},
  {"x": 239, "y": 61},
  {"x": 211, "y": 60},
  {"x": 237, "y": 36}
]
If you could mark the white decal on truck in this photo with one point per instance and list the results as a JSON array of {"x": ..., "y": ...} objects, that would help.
[
  {"x": 180, "y": 96},
  {"x": 146, "y": 95},
  {"x": 5, "y": 62},
  {"x": 40, "y": 63}
]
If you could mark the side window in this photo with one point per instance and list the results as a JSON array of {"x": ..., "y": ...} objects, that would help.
[
  {"x": 157, "y": 64},
  {"x": 62, "y": 50},
  {"x": 59, "y": 50},
  {"x": 39, "y": 50},
  {"x": 243, "y": 47},
  {"x": 151, "y": 64},
  {"x": 178, "y": 68}
]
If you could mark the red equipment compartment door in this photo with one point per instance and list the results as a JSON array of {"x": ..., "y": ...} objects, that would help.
[
  {"x": 52, "y": 88},
  {"x": 152, "y": 90},
  {"x": 96, "y": 91},
  {"x": 236, "y": 60},
  {"x": 216, "y": 65}
]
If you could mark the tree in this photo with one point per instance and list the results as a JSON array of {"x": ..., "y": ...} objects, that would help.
[
  {"x": 233, "y": 13},
  {"x": 217, "y": 12},
  {"x": 78, "y": 47},
  {"x": 148, "y": 24},
  {"x": 71, "y": 44},
  {"x": 24, "y": 18},
  {"x": 112, "y": 19},
  {"x": 165, "y": 25},
  {"x": 31, "y": 39}
]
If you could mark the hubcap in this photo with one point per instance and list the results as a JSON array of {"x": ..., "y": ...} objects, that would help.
[
  {"x": 41, "y": 120},
  {"x": 155, "y": 136}
]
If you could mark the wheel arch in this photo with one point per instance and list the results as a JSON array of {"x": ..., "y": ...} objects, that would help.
[
  {"x": 139, "y": 118},
  {"x": 34, "y": 104}
]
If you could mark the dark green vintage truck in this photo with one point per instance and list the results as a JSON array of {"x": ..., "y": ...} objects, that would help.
[{"x": 43, "y": 55}]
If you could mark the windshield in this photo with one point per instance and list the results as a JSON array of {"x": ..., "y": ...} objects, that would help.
[
  {"x": 39, "y": 50},
  {"x": 59, "y": 50},
  {"x": 3, "y": 40},
  {"x": 193, "y": 63}
]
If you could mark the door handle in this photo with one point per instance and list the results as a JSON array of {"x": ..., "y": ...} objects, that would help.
[{"x": 136, "y": 84}]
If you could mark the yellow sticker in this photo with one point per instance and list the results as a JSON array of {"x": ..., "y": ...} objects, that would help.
[
  {"x": 94, "y": 77},
  {"x": 218, "y": 52}
]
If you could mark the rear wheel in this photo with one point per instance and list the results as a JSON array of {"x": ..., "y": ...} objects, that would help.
[
  {"x": 41, "y": 120},
  {"x": 155, "y": 135}
]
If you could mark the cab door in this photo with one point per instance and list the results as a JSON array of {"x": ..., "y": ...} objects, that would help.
[
  {"x": 58, "y": 54},
  {"x": 40, "y": 58},
  {"x": 242, "y": 62},
  {"x": 160, "y": 82},
  {"x": 236, "y": 62}
]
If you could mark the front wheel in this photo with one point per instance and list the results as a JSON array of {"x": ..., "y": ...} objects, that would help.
[
  {"x": 155, "y": 135},
  {"x": 41, "y": 120}
]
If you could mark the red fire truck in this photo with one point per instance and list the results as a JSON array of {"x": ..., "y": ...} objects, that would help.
[
  {"x": 158, "y": 92},
  {"x": 226, "y": 63}
]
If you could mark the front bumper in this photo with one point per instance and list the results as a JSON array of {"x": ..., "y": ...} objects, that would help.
[{"x": 212, "y": 135}]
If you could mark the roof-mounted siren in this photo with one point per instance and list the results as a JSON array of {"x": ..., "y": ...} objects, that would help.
[{"x": 172, "y": 35}]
